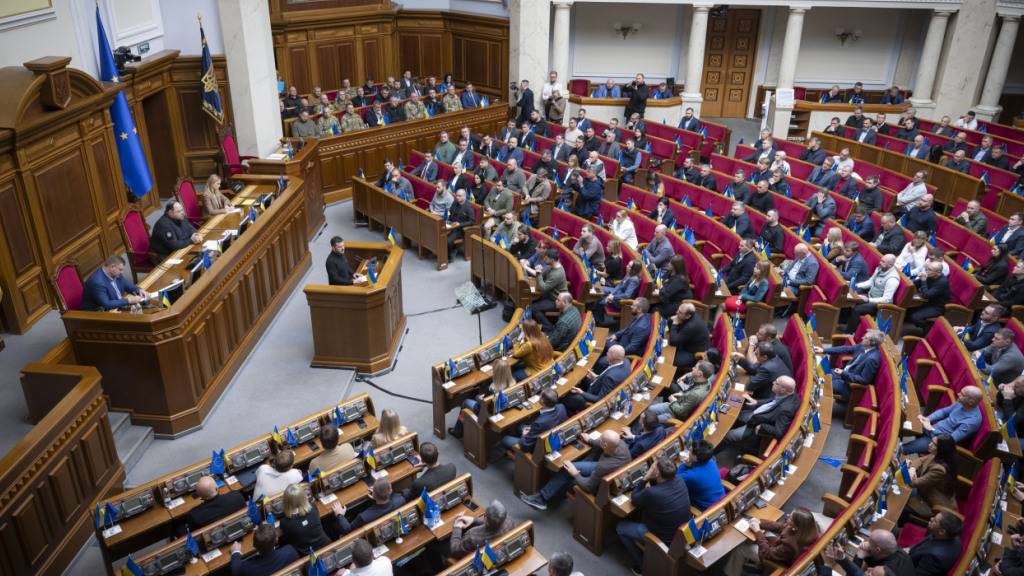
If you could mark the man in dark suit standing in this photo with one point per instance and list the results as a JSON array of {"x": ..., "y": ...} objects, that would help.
[
  {"x": 460, "y": 215},
  {"x": 633, "y": 338},
  {"x": 738, "y": 271},
  {"x": 861, "y": 369},
  {"x": 689, "y": 334},
  {"x": 770, "y": 416},
  {"x": 339, "y": 271},
  {"x": 939, "y": 551},
  {"x": 601, "y": 382},
  {"x": 215, "y": 506},
  {"x": 768, "y": 369},
  {"x": 526, "y": 103},
  {"x": 108, "y": 289}
]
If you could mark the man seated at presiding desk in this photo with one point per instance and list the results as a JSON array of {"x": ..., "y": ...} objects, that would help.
[
  {"x": 339, "y": 271},
  {"x": 108, "y": 289},
  {"x": 172, "y": 231},
  {"x": 268, "y": 559},
  {"x": 585, "y": 474},
  {"x": 214, "y": 506},
  {"x": 664, "y": 504},
  {"x": 960, "y": 420}
]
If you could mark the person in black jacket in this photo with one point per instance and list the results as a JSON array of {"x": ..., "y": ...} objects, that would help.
[
  {"x": 706, "y": 179},
  {"x": 767, "y": 332},
  {"x": 526, "y": 104},
  {"x": 870, "y": 198},
  {"x": 384, "y": 501},
  {"x": 339, "y": 271},
  {"x": 460, "y": 215},
  {"x": 922, "y": 216},
  {"x": 215, "y": 506},
  {"x": 738, "y": 271},
  {"x": 861, "y": 225},
  {"x": 768, "y": 369},
  {"x": 1012, "y": 561},
  {"x": 689, "y": 334},
  {"x": 524, "y": 245},
  {"x": 739, "y": 220},
  {"x": 762, "y": 199},
  {"x": 1011, "y": 292},
  {"x": 879, "y": 549},
  {"x": 433, "y": 476},
  {"x": 637, "y": 92},
  {"x": 933, "y": 288},
  {"x": 300, "y": 523},
  {"x": 996, "y": 269},
  {"x": 771, "y": 416},
  {"x": 675, "y": 289},
  {"x": 771, "y": 233},
  {"x": 172, "y": 231},
  {"x": 664, "y": 504},
  {"x": 890, "y": 238},
  {"x": 268, "y": 559}
]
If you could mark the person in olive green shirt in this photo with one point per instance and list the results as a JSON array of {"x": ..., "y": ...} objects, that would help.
[
  {"x": 451, "y": 100},
  {"x": 694, "y": 388},
  {"x": 496, "y": 204},
  {"x": 414, "y": 109},
  {"x": 351, "y": 121},
  {"x": 550, "y": 282},
  {"x": 562, "y": 333},
  {"x": 445, "y": 151},
  {"x": 328, "y": 125},
  {"x": 508, "y": 227},
  {"x": 304, "y": 127}
]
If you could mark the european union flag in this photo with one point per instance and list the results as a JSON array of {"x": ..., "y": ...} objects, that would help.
[
  {"x": 134, "y": 168},
  {"x": 217, "y": 462},
  {"x": 885, "y": 325},
  {"x": 190, "y": 543},
  {"x": 207, "y": 262},
  {"x": 906, "y": 269},
  {"x": 709, "y": 212},
  {"x": 208, "y": 81},
  {"x": 290, "y": 437},
  {"x": 485, "y": 559},
  {"x": 553, "y": 443},
  {"x": 253, "y": 512}
]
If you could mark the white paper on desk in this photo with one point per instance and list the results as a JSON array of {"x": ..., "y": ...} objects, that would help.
[
  {"x": 742, "y": 525},
  {"x": 211, "y": 245},
  {"x": 378, "y": 474},
  {"x": 809, "y": 440},
  {"x": 620, "y": 500},
  {"x": 656, "y": 379},
  {"x": 112, "y": 531},
  {"x": 908, "y": 425},
  {"x": 661, "y": 359},
  {"x": 593, "y": 436},
  {"x": 553, "y": 456},
  {"x": 533, "y": 399},
  {"x": 664, "y": 342},
  {"x": 486, "y": 368},
  {"x": 231, "y": 480},
  {"x": 698, "y": 551},
  {"x": 592, "y": 291},
  {"x": 276, "y": 156},
  {"x": 436, "y": 524},
  {"x": 380, "y": 551},
  {"x": 329, "y": 498},
  {"x": 1003, "y": 446},
  {"x": 582, "y": 362},
  {"x": 1002, "y": 504},
  {"x": 562, "y": 381},
  {"x": 791, "y": 470},
  {"x": 172, "y": 504},
  {"x": 616, "y": 415},
  {"x": 497, "y": 418},
  {"x": 740, "y": 387},
  {"x": 638, "y": 398},
  {"x": 532, "y": 289},
  {"x": 447, "y": 385},
  {"x": 211, "y": 555},
  {"x": 767, "y": 495},
  {"x": 174, "y": 261},
  {"x": 997, "y": 538}
]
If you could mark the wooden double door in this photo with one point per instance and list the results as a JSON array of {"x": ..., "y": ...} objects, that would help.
[{"x": 729, "y": 63}]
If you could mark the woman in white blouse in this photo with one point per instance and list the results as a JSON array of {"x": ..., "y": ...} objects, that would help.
[
  {"x": 914, "y": 253},
  {"x": 623, "y": 228}
]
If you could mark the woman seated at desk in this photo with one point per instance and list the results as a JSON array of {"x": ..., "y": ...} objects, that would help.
[
  {"x": 214, "y": 201},
  {"x": 500, "y": 380}
]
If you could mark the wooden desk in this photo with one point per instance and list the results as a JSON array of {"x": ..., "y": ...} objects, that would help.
[
  {"x": 359, "y": 326},
  {"x": 168, "y": 368},
  {"x": 304, "y": 165}
]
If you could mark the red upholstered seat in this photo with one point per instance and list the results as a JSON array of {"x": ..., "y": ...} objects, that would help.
[
  {"x": 68, "y": 285},
  {"x": 135, "y": 236},
  {"x": 232, "y": 159},
  {"x": 910, "y": 535},
  {"x": 579, "y": 87},
  {"x": 190, "y": 201}
]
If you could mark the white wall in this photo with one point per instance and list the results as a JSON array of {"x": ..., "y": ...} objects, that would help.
[
  {"x": 657, "y": 50},
  {"x": 181, "y": 28},
  {"x": 52, "y": 37}
]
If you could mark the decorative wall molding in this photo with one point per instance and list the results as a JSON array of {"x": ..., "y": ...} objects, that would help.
[{"x": 28, "y": 18}]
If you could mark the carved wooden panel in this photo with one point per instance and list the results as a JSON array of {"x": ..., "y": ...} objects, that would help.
[
  {"x": 64, "y": 201},
  {"x": 15, "y": 232},
  {"x": 728, "y": 63},
  {"x": 300, "y": 73},
  {"x": 372, "y": 59},
  {"x": 408, "y": 53},
  {"x": 347, "y": 68},
  {"x": 66, "y": 494},
  {"x": 107, "y": 188}
]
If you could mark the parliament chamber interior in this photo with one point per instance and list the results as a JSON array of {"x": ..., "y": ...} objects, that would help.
[{"x": 693, "y": 288}]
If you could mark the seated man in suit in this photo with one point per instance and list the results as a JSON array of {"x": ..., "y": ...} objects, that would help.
[
  {"x": 427, "y": 170},
  {"x": 890, "y": 239},
  {"x": 608, "y": 90},
  {"x": 861, "y": 369},
  {"x": 433, "y": 475},
  {"x": 866, "y": 133},
  {"x": 960, "y": 420},
  {"x": 803, "y": 270},
  {"x": 983, "y": 151},
  {"x": 771, "y": 416},
  {"x": 689, "y": 334},
  {"x": 763, "y": 373},
  {"x": 738, "y": 189},
  {"x": 1012, "y": 234},
  {"x": 108, "y": 289},
  {"x": 851, "y": 264},
  {"x": 633, "y": 338},
  {"x": 659, "y": 252},
  {"x": 384, "y": 502},
  {"x": 599, "y": 383},
  {"x": 998, "y": 158},
  {"x": 1001, "y": 360},
  {"x": 739, "y": 220},
  {"x": 172, "y": 231},
  {"x": 739, "y": 270},
  {"x": 980, "y": 334},
  {"x": 938, "y": 553},
  {"x": 824, "y": 175},
  {"x": 861, "y": 225},
  {"x": 959, "y": 142},
  {"x": 268, "y": 559},
  {"x": 814, "y": 153},
  {"x": 215, "y": 505},
  {"x": 551, "y": 414},
  {"x": 878, "y": 554},
  {"x": 694, "y": 387},
  {"x": 933, "y": 289},
  {"x": 921, "y": 217},
  {"x": 613, "y": 454},
  {"x": 917, "y": 149}
]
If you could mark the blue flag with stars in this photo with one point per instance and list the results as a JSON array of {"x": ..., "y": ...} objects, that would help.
[{"x": 134, "y": 168}]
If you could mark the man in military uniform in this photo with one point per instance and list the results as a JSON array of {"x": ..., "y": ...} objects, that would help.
[
  {"x": 325, "y": 104},
  {"x": 414, "y": 108},
  {"x": 451, "y": 100},
  {"x": 328, "y": 124},
  {"x": 444, "y": 150},
  {"x": 172, "y": 231},
  {"x": 351, "y": 121},
  {"x": 304, "y": 127}
]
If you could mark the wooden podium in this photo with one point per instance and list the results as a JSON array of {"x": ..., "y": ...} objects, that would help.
[{"x": 359, "y": 326}]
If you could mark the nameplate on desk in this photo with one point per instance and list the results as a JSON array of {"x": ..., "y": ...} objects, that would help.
[
  {"x": 1002, "y": 504},
  {"x": 661, "y": 359},
  {"x": 656, "y": 292},
  {"x": 328, "y": 499},
  {"x": 435, "y": 524},
  {"x": 231, "y": 480},
  {"x": 791, "y": 470},
  {"x": 380, "y": 551},
  {"x": 553, "y": 456},
  {"x": 711, "y": 428},
  {"x": 592, "y": 291},
  {"x": 277, "y": 156},
  {"x": 532, "y": 289},
  {"x": 656, "y": 379},
  {"x": 641, "y": 397},
  {"x": 486, "y": 368},
  {"x": 593, "y": 436},
  {"x": 809, "y": 440},
  {"x": 617, "y": 415},
  {"x": 620, "y": 500},
  {"x": 533, "y": 399},
  {"x": 447, "y": 385},
  {"x": 698, "y": 551},
  {"x": 908, "y": 425},
  {"x": 664, "y": 342},
  {"x": 582, "y": 361},
  {"x": 378, "y": 474},
  {"x": 997, "y": 538},
  {"x": 112, "y": 531},
  {"x": 767, "y": 495},
  {"x": 561, "y": 381},
  {"x": 211, "y": 555},
  {"x": 718, "y": 292},
  {"x": 497, "y": 418},
  {"x": 740, "y": 387},
  {"x": 174, "y": 261},
  {"x": 742, "y": 525},
  {"x": 172, "y": 504},
  {"x": 1003, "y": 446}
]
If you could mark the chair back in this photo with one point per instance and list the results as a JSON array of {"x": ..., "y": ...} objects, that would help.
[
  {"x": 229, "y": 148},
  {"x": 579, "y": 87},
  {"x": 186, "y": 194},
  {"x": 68, "y": 286},
  {"x": 136, "y": 238}
]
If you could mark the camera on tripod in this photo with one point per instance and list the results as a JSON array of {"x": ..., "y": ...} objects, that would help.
[{"x": 122, "y": 56}]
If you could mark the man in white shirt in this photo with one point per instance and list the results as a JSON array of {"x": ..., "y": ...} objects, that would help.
[
  {"x": 550, "y": 86},
  {"x": 880, "y": 287},
  {"x": 273, "y": 479},
  {"x": 623, "y": 228},
  {"x": 967, "y": 121},
  {"x": 844, "y": 159},
  {"x": 364, "y": 564},
  {"x": 914, "y": 191}
]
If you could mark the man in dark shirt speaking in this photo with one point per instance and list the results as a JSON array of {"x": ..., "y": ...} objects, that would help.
[{"x": 339, "y": 271}]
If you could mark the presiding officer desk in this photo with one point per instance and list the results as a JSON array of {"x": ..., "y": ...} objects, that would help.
[{"x": 168, "y": 366}]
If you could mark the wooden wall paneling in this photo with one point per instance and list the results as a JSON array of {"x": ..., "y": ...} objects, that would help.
[
  {"x": 298, "y": 57},
  {"x": 193, "y": 130},
  {"x": 26, "y": 296}
]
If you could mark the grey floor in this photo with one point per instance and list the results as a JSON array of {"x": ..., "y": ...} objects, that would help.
[{"x": 277, "y": 386}]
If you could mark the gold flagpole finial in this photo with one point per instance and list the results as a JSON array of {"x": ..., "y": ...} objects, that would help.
[{"x": 199, "y": 16}]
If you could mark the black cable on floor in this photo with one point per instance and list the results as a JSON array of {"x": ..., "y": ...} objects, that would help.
[
  {"x": 435, "y": 310},
  {"x": 369, "y": 382}
]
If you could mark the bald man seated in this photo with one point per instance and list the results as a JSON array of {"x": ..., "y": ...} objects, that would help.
[
  {"x": 599, "y": 384},
  {"x": 960, "y": 420},
  {"x": 771, "y": 416},
  {"x": 878, "y": 555},
  {"x": 215, "y": 506},
  {"x": 614, "y": 454}
]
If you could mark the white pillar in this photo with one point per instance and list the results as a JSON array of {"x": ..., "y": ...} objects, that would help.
[
  {"x": 529, "y": 38},
  {"x": 560, "y": 42},
  {"x": 249, "y": 50},
  {"x": 998, "y": 66},
  {"x": 692, "y": 94},
  {"x": 928, "y": 64},
  {"x": 787, "y": 69}
]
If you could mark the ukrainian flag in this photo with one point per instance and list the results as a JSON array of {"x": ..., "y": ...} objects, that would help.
[
  {"x": 691, "y": 532},
  {"x": 371, "y": 458},
  {"x": 276, "y": 436},
  {"x": 391, "y": 236},
  {"x": 485, "y": 558},
  {"x": 553, "y": 443},
  {"x": 403, "y": 527},
  {"x": 132, "y": 568},
  {"x": 316, "y": 564}
]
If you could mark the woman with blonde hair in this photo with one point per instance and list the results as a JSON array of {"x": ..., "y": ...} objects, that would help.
[
  {"x": 300, "y": 525},
  {"x": 390, "y": 429},
  {"x": 214, "y": 201},
  {"x": 535, "y": 351},
  {"x": 832, "y": 245},
  {"x": 501, "y": 378}
]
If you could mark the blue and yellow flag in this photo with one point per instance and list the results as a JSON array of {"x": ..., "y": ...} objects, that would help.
[
  {"x": 485, "y": 559},
  {"x": 403, "y": 527},
  {"x": 391, "y": 236},
  {"x": 132, "y": 568},
  {"x": 500, "y": 402},
  {"x": 691, "y": 532},
  {"x": 553, "y": 443},
  {"x": 428, "y": 507},
  {"x": 217, "y": 462},
  {"x": 276, "y": 436},
  {"x": 370, "y": 457},
  {"x": 372, "y": 273},
  {"x": 190, "y": 543},
  {"x": 208, "y": 82},
  {"x": 316, "y": 564},
  {"x": 134, "y": 168}
]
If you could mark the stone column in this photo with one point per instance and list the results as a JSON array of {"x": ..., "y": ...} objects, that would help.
[
  {"x": 249, "y": 50},
  {"x": 787, "y": 69},
  {"x": 963, "y": 64},
  {"x": 560, "y": 42},
  {"x": 692, "y": 94},
  {"x": 529, "y": 38},
  {"x": 998, "y": 66},
  {"x": 928, "y": 64}
]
